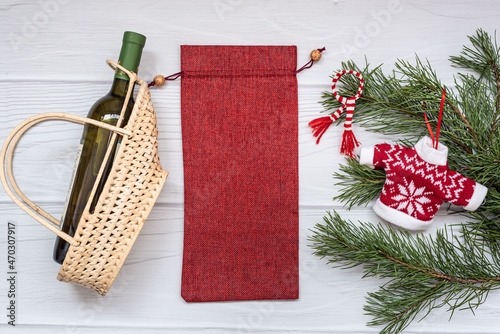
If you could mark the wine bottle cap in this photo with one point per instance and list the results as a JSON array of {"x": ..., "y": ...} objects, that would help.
[
  {"x": 130, "y": 54},
  {"x": 133, "y": 37}
]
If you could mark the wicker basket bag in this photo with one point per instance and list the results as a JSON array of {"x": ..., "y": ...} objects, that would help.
[{"x": 104, "y": 237}]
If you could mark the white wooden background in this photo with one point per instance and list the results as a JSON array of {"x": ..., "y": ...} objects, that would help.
[{"x": 52, "y": 59}]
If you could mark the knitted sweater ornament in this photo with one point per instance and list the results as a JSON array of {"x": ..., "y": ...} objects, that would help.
[{"x": 417, "y": 182}]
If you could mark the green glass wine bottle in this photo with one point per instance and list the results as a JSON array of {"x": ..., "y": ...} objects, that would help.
[{"x": 95, "y": 142}]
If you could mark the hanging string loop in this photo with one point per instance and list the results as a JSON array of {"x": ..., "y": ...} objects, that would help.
[{"x": 435, "y": 141}]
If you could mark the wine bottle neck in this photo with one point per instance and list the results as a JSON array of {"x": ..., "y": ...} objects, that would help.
[
  {"x": 130, "y": 53},
  {"x": 120, "y": 87}
]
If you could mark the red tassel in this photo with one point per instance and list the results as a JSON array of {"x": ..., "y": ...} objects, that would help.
[
  {"x": 349, "y": 143},
  {"x": 319, "y": 126}
]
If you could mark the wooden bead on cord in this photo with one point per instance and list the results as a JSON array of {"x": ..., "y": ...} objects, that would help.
[
  {"x": 159, "y": 80},
  {"x": 315, "y": 55}
]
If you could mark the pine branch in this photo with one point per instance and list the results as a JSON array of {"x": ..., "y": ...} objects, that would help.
[
  {"x": 394, "y": 105},
  {"x": 360, "y": 184},
  {"x": 425, "y": 272},
  {"x": 456, "y": 270},
  {"x": 484, "y": 60}
]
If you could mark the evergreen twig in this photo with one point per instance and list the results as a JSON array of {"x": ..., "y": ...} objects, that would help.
[
  {"x": 455, "y": 269},
  {"x": 425, "y": 272}
]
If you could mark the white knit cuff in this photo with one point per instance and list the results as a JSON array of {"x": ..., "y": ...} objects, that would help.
[
  {"x": 366, "y": 156},
  {"x": 400, "y": 218},
  {"x": 477, "y": 198}
]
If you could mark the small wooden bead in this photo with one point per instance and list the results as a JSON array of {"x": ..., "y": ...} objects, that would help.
[
  {"x": 159, "y": 80},
  {"x": 315, "y": 55}
]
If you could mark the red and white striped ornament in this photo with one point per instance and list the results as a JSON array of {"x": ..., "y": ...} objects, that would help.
[{"x": 320, "y": 125}]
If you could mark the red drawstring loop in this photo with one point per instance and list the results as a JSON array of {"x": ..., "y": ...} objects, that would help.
[
  {"x": 314, "y": 58},
  {"x": 159, "y": 80}
]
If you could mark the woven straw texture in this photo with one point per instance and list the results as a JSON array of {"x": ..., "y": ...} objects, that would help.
[{"x": 105, "y": 237}]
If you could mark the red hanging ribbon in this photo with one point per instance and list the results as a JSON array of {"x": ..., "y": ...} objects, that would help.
[
  {"x": 440, "y": 116},
  {"x": 436, "y": 141},
  {"x": 428, "y": 124}
]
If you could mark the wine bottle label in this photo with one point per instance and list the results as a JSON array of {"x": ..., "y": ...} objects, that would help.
[
  {"x": 118, "y": 143},
  {"x": 107, "y": 118},
  {"x": 72, "y": 182}
]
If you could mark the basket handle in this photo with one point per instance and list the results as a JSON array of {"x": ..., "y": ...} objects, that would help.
[{"x": 6, "y": 174}]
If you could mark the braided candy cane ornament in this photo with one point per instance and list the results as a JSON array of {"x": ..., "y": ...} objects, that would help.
[{"x": 321, "y": 124}]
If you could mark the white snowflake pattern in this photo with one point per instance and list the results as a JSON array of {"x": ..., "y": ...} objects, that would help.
[{"x": 411, "y": 198}]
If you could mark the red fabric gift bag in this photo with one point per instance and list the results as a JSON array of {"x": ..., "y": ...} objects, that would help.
[{"x": 240, "y": 146}]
